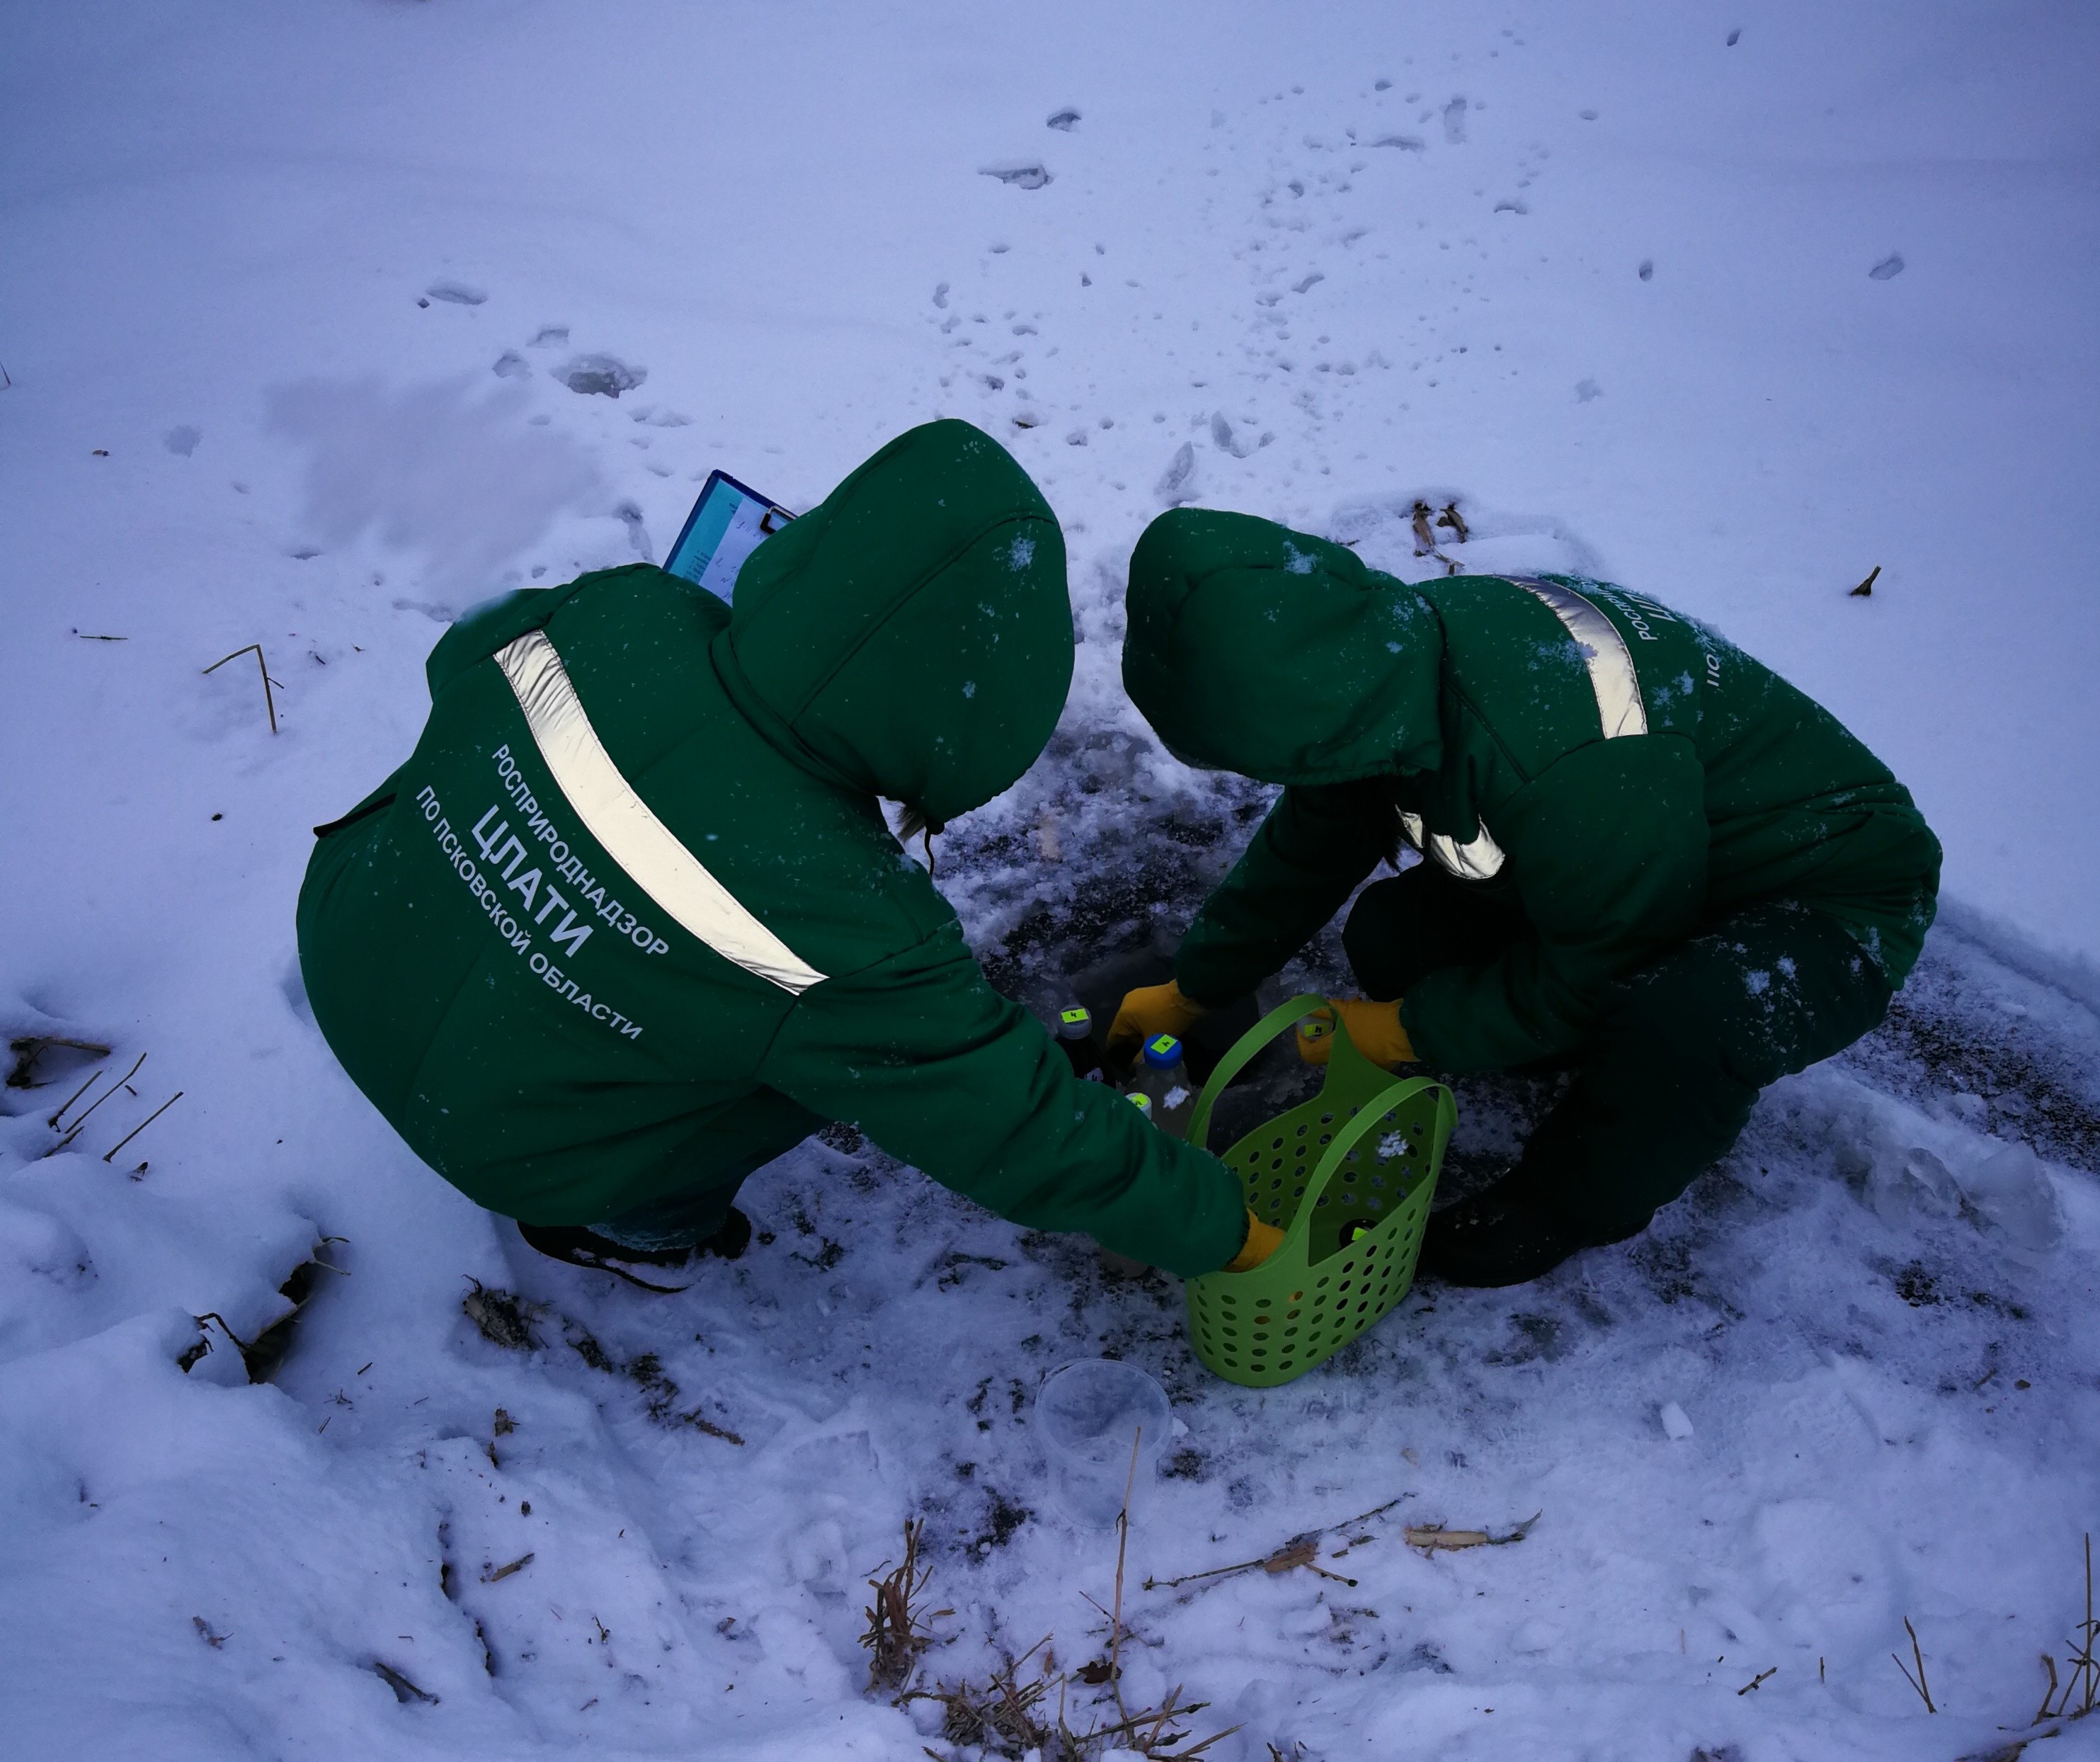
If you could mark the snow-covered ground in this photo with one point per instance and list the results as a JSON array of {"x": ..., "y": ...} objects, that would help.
[{"x": 301, "y": 309}]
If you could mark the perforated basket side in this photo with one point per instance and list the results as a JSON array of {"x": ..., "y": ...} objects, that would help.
[{"x": 1317, "y": 1293}]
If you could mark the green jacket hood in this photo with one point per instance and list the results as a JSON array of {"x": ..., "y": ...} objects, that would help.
[
  {"x": 1256, "y": 649},
  {"x": 910, "y": 636}
]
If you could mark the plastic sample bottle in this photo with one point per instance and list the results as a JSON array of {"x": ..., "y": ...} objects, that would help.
[
  {"x": 1075, "y": 1036},
  {"x": 1164, "y": 1077}
]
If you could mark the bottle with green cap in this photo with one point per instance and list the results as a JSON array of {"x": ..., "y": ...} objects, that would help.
[
  {"x": 1163, "y": 1075},
  {"x": 1075, "y": 1036}
]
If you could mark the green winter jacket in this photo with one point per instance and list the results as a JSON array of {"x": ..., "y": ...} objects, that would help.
[
  {"x": 629, "y": 921},
  {"x": 1619, "y": 772}
]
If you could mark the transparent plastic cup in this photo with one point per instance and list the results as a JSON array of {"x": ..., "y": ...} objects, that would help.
[{"x": 1088, "y": 1415}]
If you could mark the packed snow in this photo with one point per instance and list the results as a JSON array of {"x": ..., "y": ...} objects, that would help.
[{"x": 320, "y": 323}]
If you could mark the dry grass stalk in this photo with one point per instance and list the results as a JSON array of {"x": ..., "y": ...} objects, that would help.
[
  {"x": 1123, "y": 1546},
  {"x": 1011, "y": 1718},
  {"x": 1008, "y": 1717},
  {"x": 1433, "y": 1537},
  {"x": 2083, "y": 1685},
  {"x": 31, "y": 1046},
  {"x": 897, "y": 1632},
  {"x": 1917, "y": 1682},
  {"x": 503, "y": 1317},
  {"x": 124, "y": 1081},
  {"x": 142, "y": 1125}
]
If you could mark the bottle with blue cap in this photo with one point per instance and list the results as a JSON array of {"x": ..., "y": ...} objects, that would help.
[{"x": 1163, "y": 1075}]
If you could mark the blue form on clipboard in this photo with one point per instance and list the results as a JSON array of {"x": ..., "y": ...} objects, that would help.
[{"x": 728, "y": 522}]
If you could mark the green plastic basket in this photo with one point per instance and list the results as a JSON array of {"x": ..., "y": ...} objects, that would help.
[{"x": 1364, "y": 1152}]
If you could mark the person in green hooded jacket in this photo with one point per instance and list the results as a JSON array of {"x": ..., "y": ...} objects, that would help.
[
  {"x": 629, "y": 921},
  {"x": 1643, "y": 854}
]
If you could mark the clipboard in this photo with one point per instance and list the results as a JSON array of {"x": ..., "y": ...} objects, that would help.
[{"x": 728, "y": 522}]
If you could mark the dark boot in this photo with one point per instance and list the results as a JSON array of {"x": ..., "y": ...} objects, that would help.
[
  {"x": 1498, "y": 1237},
  {"x": 580, "y": 1246}
]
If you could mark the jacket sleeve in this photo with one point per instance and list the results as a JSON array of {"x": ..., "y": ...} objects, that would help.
[
  {"x": 1307, "y": 858},
  {"x": 1608, "y": 849},
  {"x": 923, "y": 1055}
]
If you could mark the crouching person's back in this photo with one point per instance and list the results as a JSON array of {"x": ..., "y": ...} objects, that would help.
[{"x": 629, "y": 922}]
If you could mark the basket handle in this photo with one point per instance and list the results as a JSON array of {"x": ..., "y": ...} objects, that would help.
[
  {"x": 1371, "y": 1114},
  {"x": 1243, "y": 1050}
]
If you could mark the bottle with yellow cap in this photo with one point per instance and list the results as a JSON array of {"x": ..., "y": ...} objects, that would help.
[{"x": 1077, "y": 1040}]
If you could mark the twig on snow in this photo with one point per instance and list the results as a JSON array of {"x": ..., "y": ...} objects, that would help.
[
  {"x": 1433, "y": 1537},
  {"x": 262, "y": 667},
  {"x": 105, "y": 1095},
  {"x": 142, "y": 1125},
  {"x": 1917, "y": 1682},
  {"x": 1298, "y": 1552},
  {"x": 53, "y": 1122}
]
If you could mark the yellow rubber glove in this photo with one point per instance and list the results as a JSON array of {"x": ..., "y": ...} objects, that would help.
[
  {"x": 1148, "y": 1011},
  {"x": 1375, "y": 1029},
  {"x": 1261, "y": 1240}
]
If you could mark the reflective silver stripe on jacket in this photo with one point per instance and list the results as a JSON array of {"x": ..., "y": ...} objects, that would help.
[
  {"x": 1476, "y": 861},
  {"x": 1620, "y": 711},
  {"x": 621, "y": 821},
  {"x": 1609, "y": 661}
]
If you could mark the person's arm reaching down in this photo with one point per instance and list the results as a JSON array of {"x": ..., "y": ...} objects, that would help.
[
  {"x": 1305, "y": 859},
  {"x": 938, "y": 1069}
]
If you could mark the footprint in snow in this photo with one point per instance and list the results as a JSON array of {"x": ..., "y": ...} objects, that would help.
[
  {"x": 1223, "y": 437},
  {"x": 1030, "y": 176},
  {"x": 510, "y": 364},
  {"x": 638, "y": 534},
  {"x": 1454, "y": 121},
  {"x": 1065, "y": 120},
  {"x": 602, "y": 375},
  {"x": 181, "y": 440},
  {"x": 456, "y": 294},
  {"x": 1174, "y": 486},
  {"x": 1888, "y": 268},
  {"x": 551, "y": 337}
]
